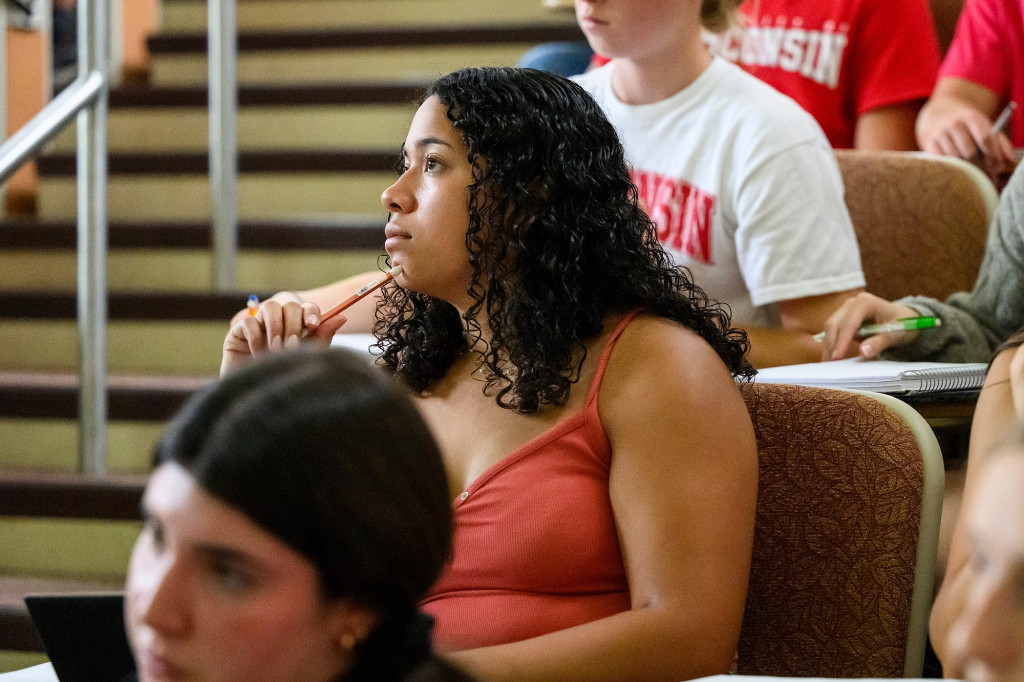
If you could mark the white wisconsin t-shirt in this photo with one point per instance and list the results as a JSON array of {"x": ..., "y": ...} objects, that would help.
[{"x": 743, "y": 186}]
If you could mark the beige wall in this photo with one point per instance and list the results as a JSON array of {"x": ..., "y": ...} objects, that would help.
[
  {"x": 140, "y": 18},
  {"x": 27, "y": 83}
]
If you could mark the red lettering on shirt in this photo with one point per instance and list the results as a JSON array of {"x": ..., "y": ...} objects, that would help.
[
  {"x": 815, "y": 55},
  {"x": 681, "y": 211}
]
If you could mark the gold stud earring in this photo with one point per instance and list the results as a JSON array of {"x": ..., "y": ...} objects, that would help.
[{"x": 347, "y": 641}]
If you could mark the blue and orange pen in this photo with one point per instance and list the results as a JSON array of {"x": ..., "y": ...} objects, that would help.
[{"x": 253, "y": 304}]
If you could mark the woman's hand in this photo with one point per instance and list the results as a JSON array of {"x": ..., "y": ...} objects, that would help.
[
  {"x": 957, "y": 121},
  {"x": 282, "y": 321},
  {"x": 842, "y": 326}
]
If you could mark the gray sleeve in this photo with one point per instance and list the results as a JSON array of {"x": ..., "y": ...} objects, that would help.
[{"x": 974, "y": 323}]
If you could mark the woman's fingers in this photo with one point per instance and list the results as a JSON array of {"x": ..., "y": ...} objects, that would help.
[{"x": 842, "y": 327}]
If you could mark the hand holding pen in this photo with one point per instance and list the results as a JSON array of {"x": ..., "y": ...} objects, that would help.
[
  {"x": 285, "y": 320},
  {"x": 991, "y": 149},
  {"x": 894, "y": 324}
]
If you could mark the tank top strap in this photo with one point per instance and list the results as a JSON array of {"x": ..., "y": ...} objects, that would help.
[{"x": 602, "y": 363}]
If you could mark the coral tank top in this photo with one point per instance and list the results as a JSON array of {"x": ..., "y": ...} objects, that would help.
[{"x": 536, "y": 548}]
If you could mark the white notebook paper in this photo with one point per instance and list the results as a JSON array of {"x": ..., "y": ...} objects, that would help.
[{"x": 881, "y": 376}]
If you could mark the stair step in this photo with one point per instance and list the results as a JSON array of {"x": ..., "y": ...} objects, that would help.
[
  {"x": 287, "y": 94},
  {"x": 189, "y": 16},
  {"x": 39, "y": 419},
  {"x": 163, "y": 306},
  {"x": 65, "y": 532},
  {"x": 357, "y": 117},
  {"x": 16, "y": 630},
  {"x": 354, "y": 55},
  {"x": 53, "y": 395},
  {"x": 55, "y": 495},
  {"x": 352, "y": 233},
  {"x": 271, "y": 184},
  {"x": 174, "y": 255},
  {"x": 184, "y": 269},
  {"x": 177, "y": 333},
  {"x": 264, "y": 161},
  {"x": 50, "y": 444},
  {"x": 95, "y": 549},
  {"x": 372, "y": 37},
  {"x": 408, "y": 64},
  {"x": 262, "y": 195}
]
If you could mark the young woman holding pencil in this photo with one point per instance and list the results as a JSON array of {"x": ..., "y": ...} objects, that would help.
[{"x": 603, "y": 523}]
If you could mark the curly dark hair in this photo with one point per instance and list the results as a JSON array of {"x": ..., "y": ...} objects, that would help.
[{"x": 565, "y": 245}]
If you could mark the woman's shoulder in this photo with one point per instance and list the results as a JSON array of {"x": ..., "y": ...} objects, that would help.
[
  {"x": 653, "y": 348},
  {"x": 659, "y": 378},
  {"x": 758, "y": 112}
]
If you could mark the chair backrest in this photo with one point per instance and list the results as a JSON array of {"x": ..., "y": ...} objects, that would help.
[
  {"x": 921, "y": 220},
  {"x": 850, "y": 492}
]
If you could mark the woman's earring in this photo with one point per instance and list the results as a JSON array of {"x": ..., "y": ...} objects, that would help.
[{"x": 347, "y": 641}]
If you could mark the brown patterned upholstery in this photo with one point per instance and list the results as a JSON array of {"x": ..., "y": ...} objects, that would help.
[
  {"x": 921, "y": 221},
  {"x": 835, "y": 545}
]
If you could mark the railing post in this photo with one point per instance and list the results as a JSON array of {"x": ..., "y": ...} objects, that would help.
[
  {"x": 93, "y": 50},
  {"x": 222, "y": 55}
]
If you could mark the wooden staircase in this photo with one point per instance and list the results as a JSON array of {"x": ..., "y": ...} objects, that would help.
[{"x": 327, "y": 88}]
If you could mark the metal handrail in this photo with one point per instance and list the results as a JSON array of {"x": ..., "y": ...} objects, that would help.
[
  {"x": 86, "y": 97},
  {"x": 222, "y": 56},
  {"x": 47, "y": 124}
]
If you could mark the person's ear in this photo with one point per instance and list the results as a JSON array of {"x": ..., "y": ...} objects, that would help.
[{"x": 350, "y": 624}]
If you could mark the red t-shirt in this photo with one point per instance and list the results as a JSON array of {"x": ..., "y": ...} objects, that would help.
[
  {"x": 988, "y": 49},
  {"x": 837, "y": 59}
]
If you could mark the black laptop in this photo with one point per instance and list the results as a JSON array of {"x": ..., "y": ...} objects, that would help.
[{"x": 83, "y": 634}]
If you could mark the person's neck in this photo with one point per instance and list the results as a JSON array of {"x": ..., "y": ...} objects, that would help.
[
  {"x": 474, "y": 343},
  {"x": 653, "y": 78}
]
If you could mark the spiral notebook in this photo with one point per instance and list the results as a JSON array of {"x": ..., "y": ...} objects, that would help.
[{"x": 881, "y": 376}]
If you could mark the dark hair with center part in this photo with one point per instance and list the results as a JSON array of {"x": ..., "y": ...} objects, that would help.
[
  {"x": 556, "y": 240},
  {"x": 328, "y": 453}
]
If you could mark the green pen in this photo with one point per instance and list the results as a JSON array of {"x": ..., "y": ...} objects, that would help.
[{"x": 904, "y": 324}]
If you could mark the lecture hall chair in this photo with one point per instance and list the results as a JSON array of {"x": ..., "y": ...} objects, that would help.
[
  {"x": 921, "y": 220},
  {"x": 849, "y": 497}
]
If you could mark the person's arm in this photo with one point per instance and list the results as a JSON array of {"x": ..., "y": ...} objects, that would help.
[
  {"x": 683, "y": 490},
  {"x": 889, "y": 127},
  {"x": 992, "y": 416},
  {"x": 890, "y": 72},
  {"x": 973, "y": 324},
  {"x": 957, "y": 121},
  {"x": 794, "y": 342},
  {"x": 290, "y": 317},
  {"x": 799, "y": 255}
]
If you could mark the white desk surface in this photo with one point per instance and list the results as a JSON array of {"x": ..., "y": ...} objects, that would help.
[{"x": 37, "y": 673}]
